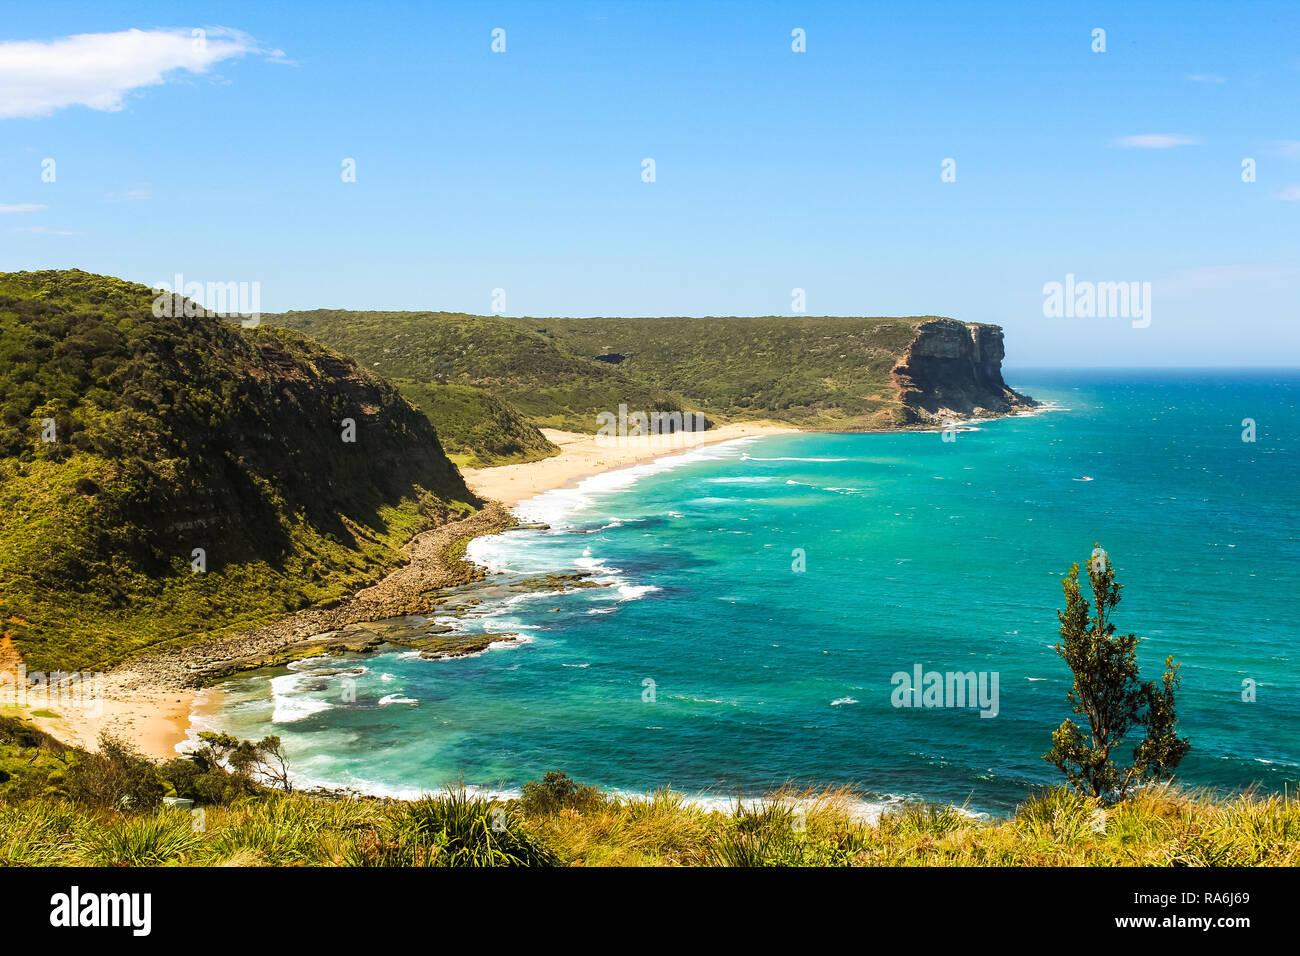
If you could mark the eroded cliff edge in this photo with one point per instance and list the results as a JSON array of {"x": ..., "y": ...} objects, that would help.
[{"x": 953, "y": 370}]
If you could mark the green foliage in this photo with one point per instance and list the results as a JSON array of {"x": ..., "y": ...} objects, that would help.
[
  {"x": 472, "y": 831},
  {"x": 225, "y": 769},
  {"x": 781, "y": 832},
  {"x": 557, "y": 791},
  {"x": 32, "y": 763},
  {"x": 820, "y": 372},
  {"x": 1156, "y": 826},
  {"x": 274, "y": 830},
  {"x": 263, "y": 761},
  {"x": 814, "y": 371},
  {"x": 155, "y": 839},
  {"x": 478, "y": 430},
  {"x": 456, "y": 830},
  {"x": 45, "y": 831},
  {"x": 222, "y": 771},
  {"x": 505, "y": 357},
  {"x": 196, "y": 779},
  {"x": 1108, "y": 692},
  {"x": 118, "y": 777},
  {"x": 1061, "y": 816},
  {"x": 176, "y": 433}
]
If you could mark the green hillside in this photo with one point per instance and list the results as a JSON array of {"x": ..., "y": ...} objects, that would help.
[
  {"x": 506, "y": 357},
  {"x": 820, "y": 372},
  {"x": 477, "y": 429},
  {"x": 171, "y": 434},
  {"x": 817, "y": 372}
]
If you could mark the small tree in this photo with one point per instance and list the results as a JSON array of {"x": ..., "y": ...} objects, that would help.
[
  {"x": 557, "y": 791},
  {"x": 1108, "y": 692},
  {"x": 263, "y": 760}
]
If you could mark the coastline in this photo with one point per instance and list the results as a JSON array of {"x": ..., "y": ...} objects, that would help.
[
  {"x": 582, "y": 456},
  {"x": 152, "y": 700},
  {"x": 152, "y": 714}
]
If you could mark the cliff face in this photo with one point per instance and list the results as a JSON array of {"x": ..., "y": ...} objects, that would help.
[
  {"x": 164, "y": 477},
  {"x": 953, "y": 370}
]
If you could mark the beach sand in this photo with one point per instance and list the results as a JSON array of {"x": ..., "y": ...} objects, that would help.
[
  {"x": 154, "y": 712},
  {"x": 152, "y": 716},
  {"x": 584, "y": 455}
]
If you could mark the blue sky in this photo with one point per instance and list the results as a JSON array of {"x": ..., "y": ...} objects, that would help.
[{"x": 774, "y": 170}]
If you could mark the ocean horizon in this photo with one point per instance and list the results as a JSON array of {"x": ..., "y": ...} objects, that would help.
[{"x": 761, "y": 597}]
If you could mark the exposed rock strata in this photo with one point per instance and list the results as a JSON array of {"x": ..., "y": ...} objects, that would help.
[{"x": 953, "y": 370}]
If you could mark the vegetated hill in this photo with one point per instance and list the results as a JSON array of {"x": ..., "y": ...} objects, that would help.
[
  {"x": 477, "y": 429},
  {"x": 171, "y": 434},
  {"x": 819, "y": 372},
  {"x": 506, "y": 357},
  {"x": 824, "y": 372}
]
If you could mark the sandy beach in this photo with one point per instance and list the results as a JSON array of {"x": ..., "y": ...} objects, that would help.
[
  {"x": 584, "y": 455},
  {"x": 148, "y": 703},
  {"x": 152, "y": 715}
]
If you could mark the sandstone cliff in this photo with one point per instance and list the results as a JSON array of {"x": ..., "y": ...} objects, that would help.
[{"x": 953, "y": 370}]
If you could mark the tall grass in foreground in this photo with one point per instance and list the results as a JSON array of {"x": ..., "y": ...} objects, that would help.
[{"x": 1159, "y": 826}]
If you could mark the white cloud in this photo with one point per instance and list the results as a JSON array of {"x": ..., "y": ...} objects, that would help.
[
  {"x": 1290, "y": 148},
  {"x": 47, "y": 231},
  {"x": 1213, "y": 78},
  {"x": 1155, "y": 141},
  {"x": 22, "y": 207},
  {"x": 99, "y": 69},
  {"x": 137, "y": 192},
  {"x": 1289, "y": 194},
  {"x": 1225, "y": 277}
]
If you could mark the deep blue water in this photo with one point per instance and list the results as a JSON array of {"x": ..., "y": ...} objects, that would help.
[{"x": 917, "y": 551}]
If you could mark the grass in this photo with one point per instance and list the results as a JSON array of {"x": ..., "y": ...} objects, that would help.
[
  {"x": 827, "y": 372},
  {"x": 1160, "y": 826}
]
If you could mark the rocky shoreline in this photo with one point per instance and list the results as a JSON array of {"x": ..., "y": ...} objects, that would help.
[
  {"x": 436, "y": 580},
  {"x": 150, "y": 698},
  {"x": 435, "y": 566}
]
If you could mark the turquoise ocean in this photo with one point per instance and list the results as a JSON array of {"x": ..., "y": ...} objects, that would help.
[{"x": 713, "y": 664}]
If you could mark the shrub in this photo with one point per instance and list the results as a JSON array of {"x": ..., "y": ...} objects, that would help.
[
  {"x": 558, "y": 791},
  {"x": 118, "y": 777},
  {"x": 263, "y": 761},
  {"x": 161, "y": 837},
  {"x": 203, "y": 781}
]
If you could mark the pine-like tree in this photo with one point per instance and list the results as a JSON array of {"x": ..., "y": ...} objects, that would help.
[{"x": 1109, "y": 693}]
